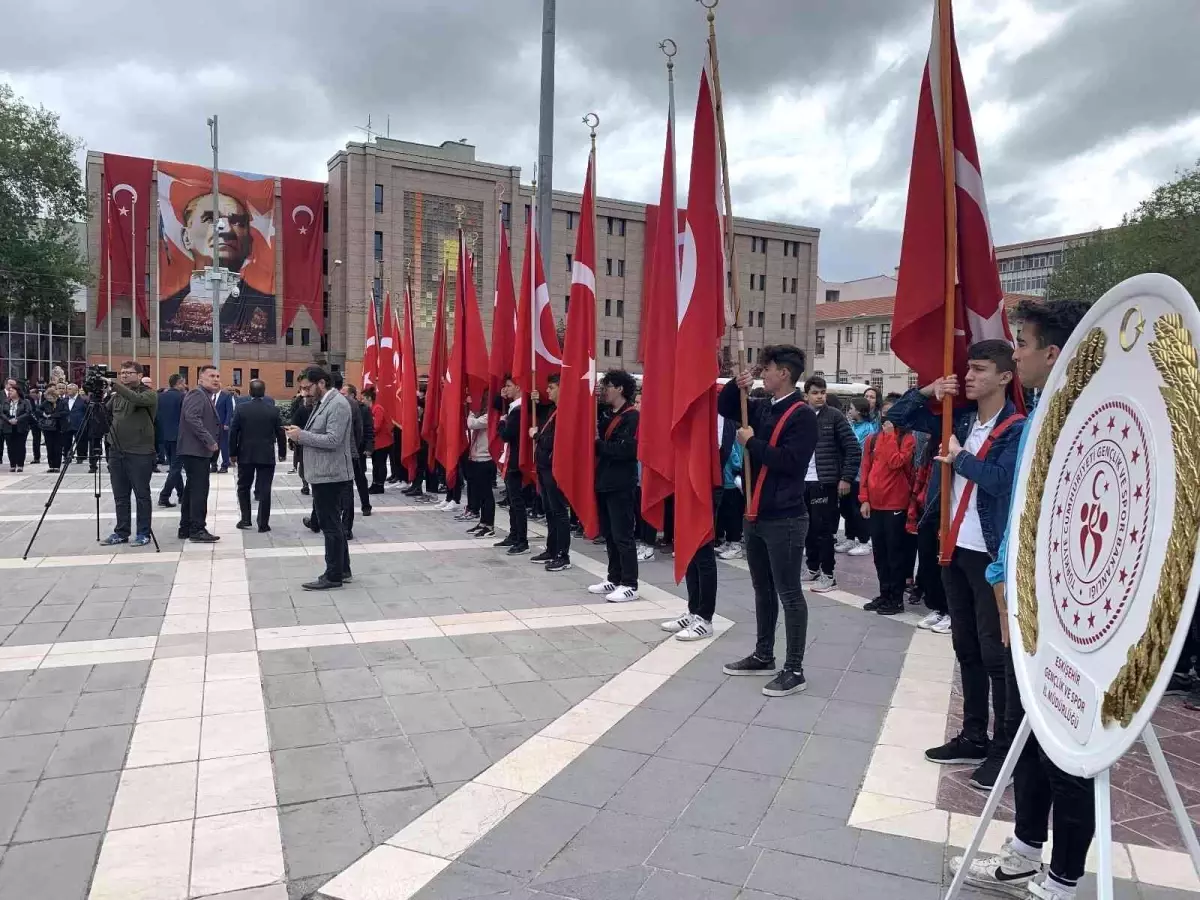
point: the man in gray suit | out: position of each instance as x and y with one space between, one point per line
328 442
199 437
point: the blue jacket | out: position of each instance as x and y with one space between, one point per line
170 408
225 408
993 475
76 413
998 569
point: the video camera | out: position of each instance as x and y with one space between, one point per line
95 381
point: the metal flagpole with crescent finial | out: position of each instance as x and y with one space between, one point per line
950 210
533 311
108 264
133 283
730 244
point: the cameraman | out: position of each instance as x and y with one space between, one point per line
131 452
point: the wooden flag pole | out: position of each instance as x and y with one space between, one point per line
730 244
950 204
133 279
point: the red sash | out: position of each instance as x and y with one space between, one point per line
752 509
612 425
947 548
546 424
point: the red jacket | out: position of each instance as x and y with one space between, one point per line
383 427
886 477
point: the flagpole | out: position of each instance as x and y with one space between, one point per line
533 310
108 265
950 209
156 321
137 321
730 243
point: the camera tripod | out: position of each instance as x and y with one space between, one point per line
94 457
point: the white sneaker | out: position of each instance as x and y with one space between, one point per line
604 587
809 576
930 620
645 553
844 546
677 625
1007 872
443 506
697 631
733 551
1049 889
718 547
451 506
824 584
942 626
860 549
622 595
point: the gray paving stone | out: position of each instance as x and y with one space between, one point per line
420 713
804 834
34 634
274 618
737 700
13 798
142 626
61 869
911 858
680 695
860 687
612 840
535 832
831 760
482 706
713 855
535 699
459 881
180 645
87 630
455 674
854 721
617 884
506 669
576 689
732 801
337 657
117 677
875 661
320 615
386 653
822 682
300 726
37 715
661 789
429 649
24 758
388 812
232 642
796 713
95 608
47 682
450 755
90 750
567 638
767 751
396 680
479 645
383 764
524 642
643 730
817 799
805 878
664 885
138 606
552 664
297 689
500 740
595 777
826 655
52 612
11 684
597 660
311 773
348 684
105 708
63 807
702 740
322 837
356 720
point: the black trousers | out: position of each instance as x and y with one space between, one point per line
174 480
518 516
298 462
929 572
329 499
857 528
379 463
701 579
822 500
130 472
975 628
360 481
888 548
398 471
54 448
774 554
618 518
480 478
15 442
1041 788
558 520
37 443
1191 646
261 477
193 502
730 513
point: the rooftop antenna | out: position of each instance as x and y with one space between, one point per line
368 131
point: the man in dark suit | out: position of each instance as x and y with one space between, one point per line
72 438
199 438
223 404
170 409
254 436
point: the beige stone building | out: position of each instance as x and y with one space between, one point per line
1025 268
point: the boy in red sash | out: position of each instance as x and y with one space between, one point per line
779 443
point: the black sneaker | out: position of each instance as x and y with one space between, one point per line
165 504
957 751
484 531
375 489
786 683
244 524
751 665
560 564
518 549
504 542
984 777
890 609
1180 684
874 604
366 511
544 557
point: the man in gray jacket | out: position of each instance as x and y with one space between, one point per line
328 442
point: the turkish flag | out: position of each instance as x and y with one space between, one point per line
303 205
921 288
125 238
467 370
575 428
437 374
371 351
504 332
406 395
655 450
701 324
387 357
536 355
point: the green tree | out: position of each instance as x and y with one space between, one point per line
41 202
1161 235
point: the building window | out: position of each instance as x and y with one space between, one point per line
832 296
325 305
254 374
324 262
289 378
793 286
183 372
379 198
620 345
912 379
782 321
621 227
620 268
237 377
870 338
729 278
506 213
607 307
877 380
606 348
289 337
620 309
570 221
567 303
753 244
843 377
792 320
608 266
126 328
849 333
749 354
783 287
379 245
786 247
762 245
305 337
796 249
528 213
885 337
569 261
820 342
610 224
761 316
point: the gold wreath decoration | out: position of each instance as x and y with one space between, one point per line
1176 360
1088 359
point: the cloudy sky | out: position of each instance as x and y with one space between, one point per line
1080 106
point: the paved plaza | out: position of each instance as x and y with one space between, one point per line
457 723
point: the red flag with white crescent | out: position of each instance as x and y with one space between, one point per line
504 328
466 370
430 425
125 237
370 375
406 395
387 359
303 204
535 335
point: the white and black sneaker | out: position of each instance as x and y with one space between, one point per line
957 751
677 625
809 576
558 564
786 683
604 587
1008 872
623 594
751 665
697 631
